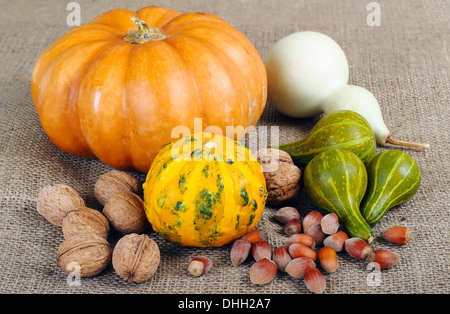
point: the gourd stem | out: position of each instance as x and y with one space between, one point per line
143 34
392 141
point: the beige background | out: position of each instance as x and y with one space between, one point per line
404 62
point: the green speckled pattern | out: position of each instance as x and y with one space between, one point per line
394 179
339 130
336 181
206 196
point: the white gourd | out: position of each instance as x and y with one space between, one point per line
308 75
362 101
303 69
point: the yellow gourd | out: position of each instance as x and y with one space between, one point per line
204 190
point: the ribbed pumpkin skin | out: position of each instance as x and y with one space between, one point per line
394 178
336 181
100 96
209 202
339 130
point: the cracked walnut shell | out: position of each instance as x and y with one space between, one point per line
113 182
282 176
85 220
136 257
90 252
56 201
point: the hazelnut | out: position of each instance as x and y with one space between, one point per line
90 252
254 236
281 257
286 214
55 201
301 238
330 224
397 235
336 241
315 281
199 266
293 226
297 267
282 176
260 250
240 251
316 232
136 257
359 249
85 220
385 259
263 271
125 212
300 250
114 182
311 219
328 259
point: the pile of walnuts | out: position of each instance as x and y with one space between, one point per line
135 257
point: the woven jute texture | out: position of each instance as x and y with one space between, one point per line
404 62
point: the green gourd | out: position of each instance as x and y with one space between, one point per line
340 130
394 179
336 181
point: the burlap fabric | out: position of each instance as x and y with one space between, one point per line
404 62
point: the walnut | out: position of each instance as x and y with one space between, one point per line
271 157
282 176
55 201
114 182
125 212
136 257
85 220
90 252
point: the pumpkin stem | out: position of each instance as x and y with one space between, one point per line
143 34
392 141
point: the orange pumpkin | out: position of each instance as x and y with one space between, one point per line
116 87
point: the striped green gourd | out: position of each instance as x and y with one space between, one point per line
336 181
340 130
394 179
